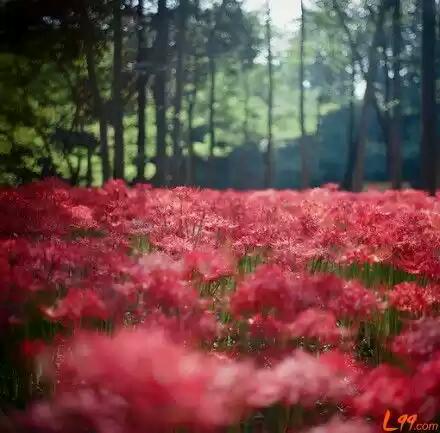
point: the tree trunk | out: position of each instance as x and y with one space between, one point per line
395 126
74 171
384 116
384 123
212 96
103 140
89 170
429 136
160 84
355 58
305 171
357 175
190 155
119 162
351 124
318 116
245 74
180 79
268 178
89 176
98 102
191 103
141 95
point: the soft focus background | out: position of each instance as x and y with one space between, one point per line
224 94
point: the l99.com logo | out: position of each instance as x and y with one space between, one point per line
408 421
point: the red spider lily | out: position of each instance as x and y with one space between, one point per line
78 304
427 381
387 388
301 378
166 290
266 327
162 385
149 266
209 264
413 298
317 324
354 302
271 290
139 379
420 341
268 289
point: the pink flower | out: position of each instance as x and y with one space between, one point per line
138 380
413 298
300 379
385 388
355 302
210 264
313 323
420 340
266 327
77 304
82 217
268 288
166 290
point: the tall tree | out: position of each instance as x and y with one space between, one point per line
384 111
268 178
246 97
190 169
160 90
118 109
212 88
249 45
222 36
87 30
356 169
305 170
195 77
89 174
355 58
182 14
351 106
142 81
429 136
396 109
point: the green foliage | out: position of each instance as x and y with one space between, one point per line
45 84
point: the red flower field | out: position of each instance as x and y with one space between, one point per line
153 310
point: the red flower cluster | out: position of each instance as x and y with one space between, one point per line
162 385
272 290
412 298
131 310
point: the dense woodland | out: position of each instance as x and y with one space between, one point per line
202 92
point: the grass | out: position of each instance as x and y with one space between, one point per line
370 274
